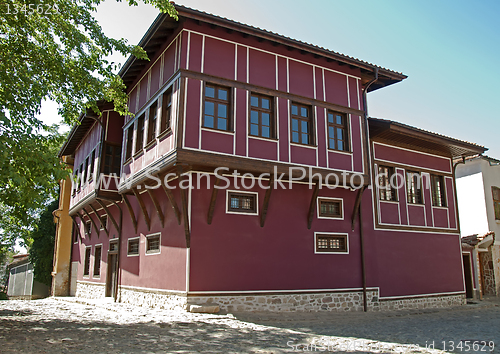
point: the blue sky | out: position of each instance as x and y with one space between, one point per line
448 48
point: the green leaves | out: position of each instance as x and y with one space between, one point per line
52 49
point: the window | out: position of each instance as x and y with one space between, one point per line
79 176
104 221
337 131
133 246
438 191
386 192
242 202
88 227
85 177
92 164
153 244
97 261
331 243
86 268
301 124
414 187
113 246
166 110
496 201
261 116
153 113
112 159
216 107
330 208
139 139
130 139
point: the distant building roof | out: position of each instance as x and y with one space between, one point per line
428 141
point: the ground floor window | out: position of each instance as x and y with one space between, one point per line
133 246
97 260
153 243
86 267
331 243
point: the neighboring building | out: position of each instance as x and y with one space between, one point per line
22 284
218 93
478 193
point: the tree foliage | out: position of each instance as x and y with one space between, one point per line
42 248
49 50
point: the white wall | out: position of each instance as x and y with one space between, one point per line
472 205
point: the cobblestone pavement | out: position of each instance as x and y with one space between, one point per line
61 325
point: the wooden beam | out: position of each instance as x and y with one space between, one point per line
157 206
103 227
173 203
211 206
92 221
130 211
263 212
77 228
312 206
357 203
143 208
184 201
110 217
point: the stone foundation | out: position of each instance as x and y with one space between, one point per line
165 300
88 290
277 302
305 302
422 302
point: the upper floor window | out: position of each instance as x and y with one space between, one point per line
85 176
112 159
337 131
261 116
386 192
217 107
438 191
130 139
153 113
166 110
92 164
301 124
496 201
139 139
330 208
414 187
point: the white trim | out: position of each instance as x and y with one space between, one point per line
214 130
146 248
168 291
264 139
314 80
453 199
248 64
334 234
256 194
128 244
276 161
283 291
202 92
265 51
277 81
420 168
316 133
184 114
236 62
234 118
287 75
305 146
203 54
247 108
421 295
330 217
188 50
341 152
357 93
404 229
327 142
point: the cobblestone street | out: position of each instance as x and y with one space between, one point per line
56 325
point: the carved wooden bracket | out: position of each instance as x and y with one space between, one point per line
130 211
263 213
312 206
143 208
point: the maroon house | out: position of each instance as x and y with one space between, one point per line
298 200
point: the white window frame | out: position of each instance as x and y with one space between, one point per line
128 245
90 262
100 262
159 246
242 192
330 217
332 234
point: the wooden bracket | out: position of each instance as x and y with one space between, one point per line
184 201
263 213
312 206
110 217
130 211
211 206
143 208
92 221
103 227
75 225
357 204
157 206
173 203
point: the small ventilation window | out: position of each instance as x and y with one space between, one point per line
330 208
328 243
242 202
153 244
133 246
